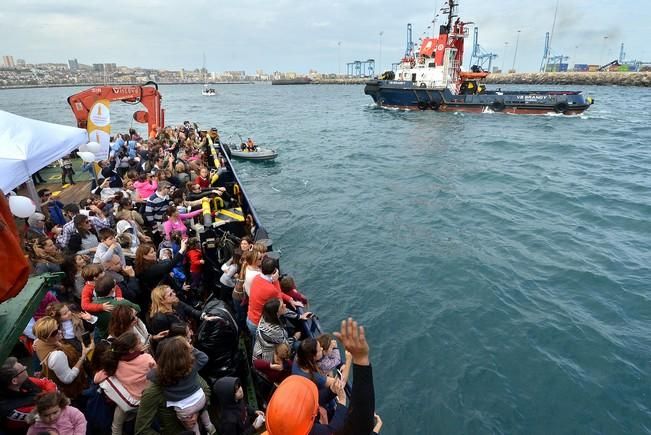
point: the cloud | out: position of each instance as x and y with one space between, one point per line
293 35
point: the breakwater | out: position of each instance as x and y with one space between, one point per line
573 78
342 81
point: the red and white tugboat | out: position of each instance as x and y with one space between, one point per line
433 79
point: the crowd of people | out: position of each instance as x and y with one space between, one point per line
112 348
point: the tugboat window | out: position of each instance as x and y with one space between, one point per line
413 77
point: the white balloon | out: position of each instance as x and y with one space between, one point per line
93 147
83 147
21 206
86 156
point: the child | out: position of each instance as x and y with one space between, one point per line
177 272
203 179
66 170
108 247
90 273
228 280
71 324
288 286
331 358
194 257
235 417
278 369
177 372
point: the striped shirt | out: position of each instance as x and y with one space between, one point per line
155 209
69 229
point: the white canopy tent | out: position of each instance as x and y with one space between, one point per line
28 145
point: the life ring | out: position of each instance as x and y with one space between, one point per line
561 107
434 105
497 106
422 105
423 85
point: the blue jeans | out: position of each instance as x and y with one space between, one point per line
253 329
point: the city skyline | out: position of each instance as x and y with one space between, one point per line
291 36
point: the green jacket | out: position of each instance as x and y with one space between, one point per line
104 317
152 405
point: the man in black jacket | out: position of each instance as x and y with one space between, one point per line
17 395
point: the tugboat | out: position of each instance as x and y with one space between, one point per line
433 80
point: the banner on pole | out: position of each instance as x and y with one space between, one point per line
99 127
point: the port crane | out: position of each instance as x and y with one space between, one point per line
479 57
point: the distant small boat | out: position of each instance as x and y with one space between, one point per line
259 153
208 92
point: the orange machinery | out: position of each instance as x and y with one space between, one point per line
146 94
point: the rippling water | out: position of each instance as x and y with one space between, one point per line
500 263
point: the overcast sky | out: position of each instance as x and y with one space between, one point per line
292 35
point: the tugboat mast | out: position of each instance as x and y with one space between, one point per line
452 6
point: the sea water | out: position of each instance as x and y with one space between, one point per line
499 263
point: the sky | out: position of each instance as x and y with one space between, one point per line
292 35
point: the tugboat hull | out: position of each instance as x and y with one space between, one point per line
405 95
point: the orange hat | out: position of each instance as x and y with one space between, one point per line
293 407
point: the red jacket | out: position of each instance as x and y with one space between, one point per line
87 298
203 182
261 291
194 257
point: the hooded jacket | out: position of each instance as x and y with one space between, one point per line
235 417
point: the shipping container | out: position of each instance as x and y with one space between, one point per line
563 67
593 68
581 67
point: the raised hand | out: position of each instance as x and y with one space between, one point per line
354 340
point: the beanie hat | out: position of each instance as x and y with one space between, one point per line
293 407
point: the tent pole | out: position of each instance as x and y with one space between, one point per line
31 191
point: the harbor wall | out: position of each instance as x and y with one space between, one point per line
573 78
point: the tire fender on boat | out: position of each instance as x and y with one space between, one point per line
497 106
561 107
422 105
423 85
434 105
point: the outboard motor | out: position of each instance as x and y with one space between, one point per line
219 339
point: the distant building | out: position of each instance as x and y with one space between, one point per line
53 66
73 64
98 67
8 62
21 63
235 75
110 67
